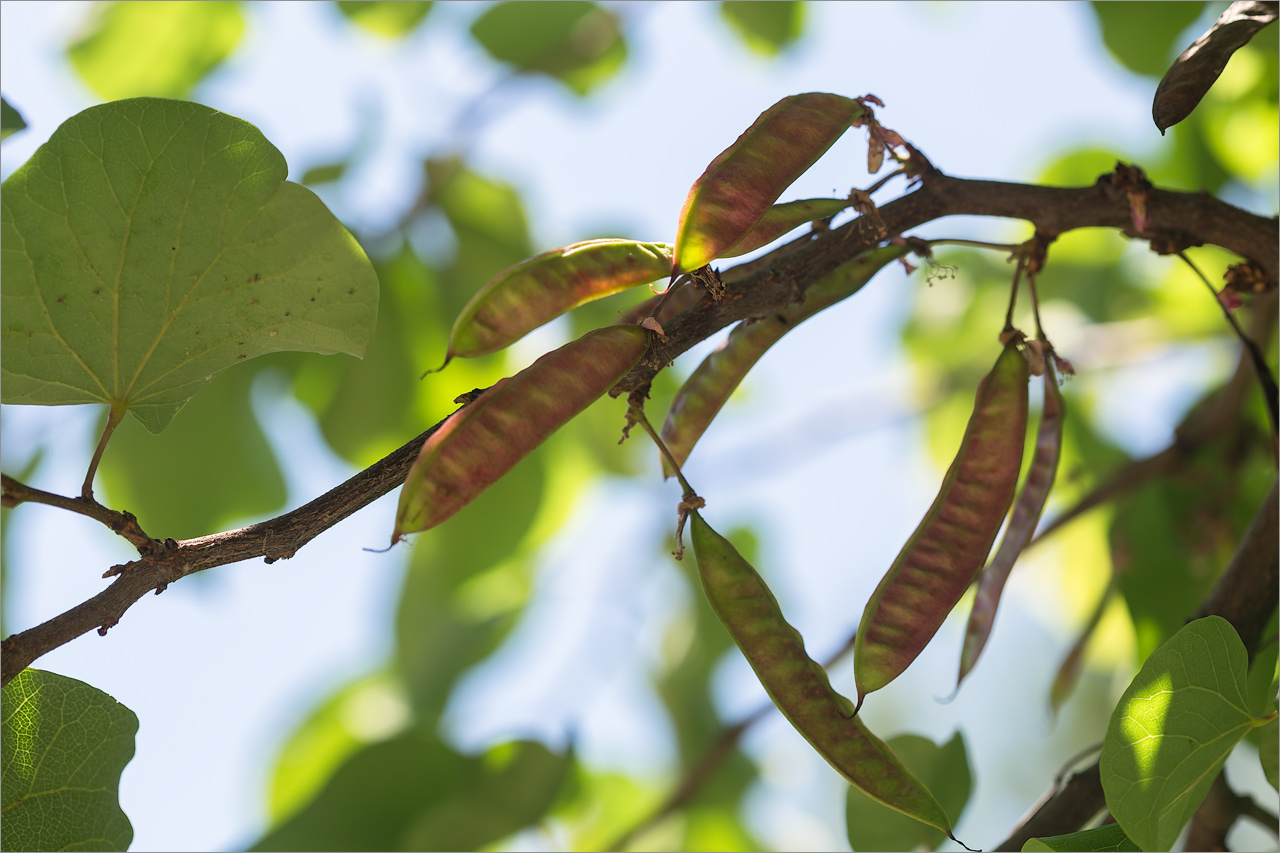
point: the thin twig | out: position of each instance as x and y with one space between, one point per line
125 524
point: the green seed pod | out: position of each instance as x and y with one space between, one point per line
529 294
1022 524
736 190
484 440
781 218
798 685
709 387
951 544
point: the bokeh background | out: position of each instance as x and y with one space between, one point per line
455 139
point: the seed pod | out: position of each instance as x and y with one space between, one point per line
781 218
738 187
709 387
1022 524
484 440
798 685
529 294
951 544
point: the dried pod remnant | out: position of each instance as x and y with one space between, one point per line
740 185
480 443
951 544
534 292
798 685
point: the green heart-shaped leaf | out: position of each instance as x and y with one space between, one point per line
64 746
150 244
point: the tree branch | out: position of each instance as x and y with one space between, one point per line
1176 220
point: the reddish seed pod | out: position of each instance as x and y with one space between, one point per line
484 440
1022 524
534 292
798 685
739 186
951 544
709 387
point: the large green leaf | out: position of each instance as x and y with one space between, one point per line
577 42
943 769
1173 728
1102 838
155 48
64 745
151 243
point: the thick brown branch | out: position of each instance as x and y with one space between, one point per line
1176 220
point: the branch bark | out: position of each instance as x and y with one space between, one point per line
1176 220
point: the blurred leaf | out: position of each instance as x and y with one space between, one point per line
138 306
414 793
944 770
1143 36
1103 838
578 43
158 48
1068 674
1268 747
11 120
387 18
232 476
325 173
6 550
766 26
64 746
364 710
1261 688
1198 67
1172 730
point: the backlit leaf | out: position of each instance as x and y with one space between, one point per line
388 18
1103 838
149 244
64 746
160 48
1173 728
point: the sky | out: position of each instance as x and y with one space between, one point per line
989 90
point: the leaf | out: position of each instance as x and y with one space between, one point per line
1198 67
745 179
1268 747
944 770
578 43
1103 838
11 120
64 746
1141 36
160 49
766 26
414 793
781 218
1172 730
387 18
150 244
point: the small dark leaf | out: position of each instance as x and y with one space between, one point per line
1198 67
10 120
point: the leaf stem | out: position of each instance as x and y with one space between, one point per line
114 416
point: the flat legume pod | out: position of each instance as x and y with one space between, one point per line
951 544
1022 524
798 685
529 294
484 440
781 218
709 387
736 190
